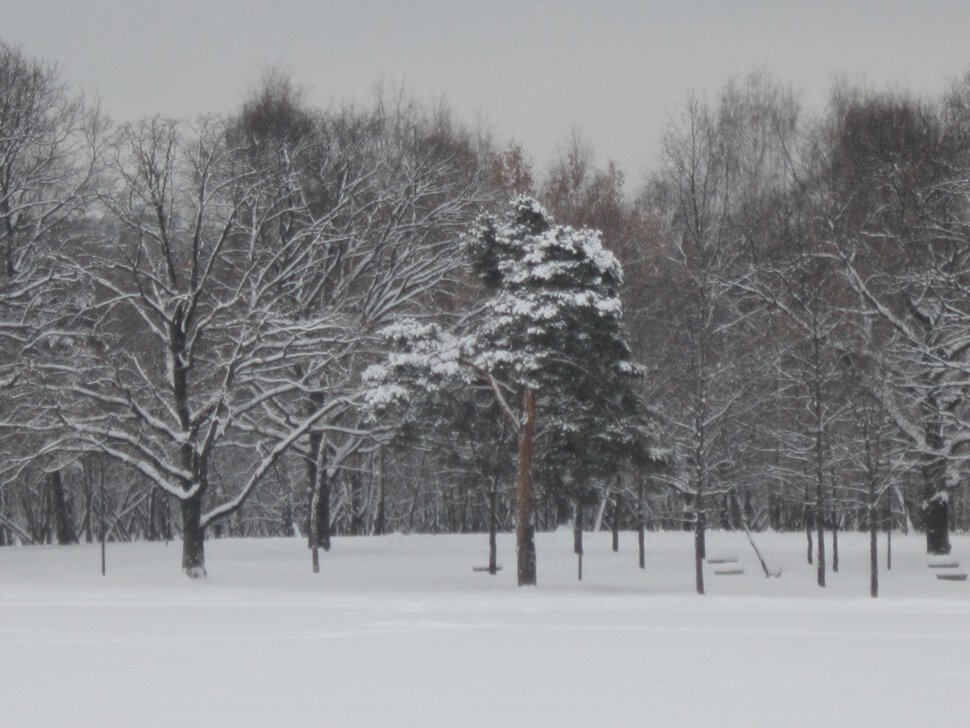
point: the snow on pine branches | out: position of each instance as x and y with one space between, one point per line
555 313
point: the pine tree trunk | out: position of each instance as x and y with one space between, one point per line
524 529
193 538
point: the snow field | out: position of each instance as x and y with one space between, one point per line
398 631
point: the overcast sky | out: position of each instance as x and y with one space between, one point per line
530 70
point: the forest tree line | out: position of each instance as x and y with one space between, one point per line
187 310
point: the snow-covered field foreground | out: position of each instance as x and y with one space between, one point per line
398 631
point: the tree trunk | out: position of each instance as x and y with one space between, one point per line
287 525
323 509
873 543
699 541
492 529
905 520
820 523
164 520
103 522
4 538
889 547
641 526
379 517
314 550
617 507
835 543
818 391
702 519
936 499
318 528
356 496
88 512
62 520
193 538
104 547
314 534
937 532
152 530
808 534
578 528
598 521
578 539
820 538
312 469
524 529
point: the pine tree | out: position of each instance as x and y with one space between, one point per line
549 343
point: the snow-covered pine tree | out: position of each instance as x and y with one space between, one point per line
549 342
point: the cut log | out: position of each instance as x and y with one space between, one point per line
722 559
729 571
485 568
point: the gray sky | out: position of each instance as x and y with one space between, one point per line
530 70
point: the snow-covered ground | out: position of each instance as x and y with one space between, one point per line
398 631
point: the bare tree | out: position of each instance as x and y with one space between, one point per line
393 187
50 156
694 196
190 339
901 232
